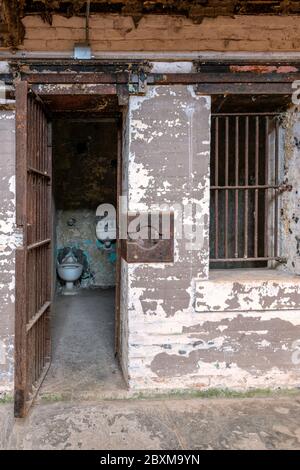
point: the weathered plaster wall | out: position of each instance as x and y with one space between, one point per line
246 290
249 342
290 205
165 33
230 349
9 240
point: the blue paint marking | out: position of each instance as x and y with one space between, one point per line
113 257
88 242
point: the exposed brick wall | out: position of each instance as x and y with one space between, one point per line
165 33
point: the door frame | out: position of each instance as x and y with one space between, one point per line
41 85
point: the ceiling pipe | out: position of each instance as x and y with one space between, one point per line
87 21
82 51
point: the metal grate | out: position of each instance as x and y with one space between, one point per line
244 188
34 259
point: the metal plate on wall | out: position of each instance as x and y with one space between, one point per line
150 238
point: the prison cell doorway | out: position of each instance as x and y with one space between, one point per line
69 162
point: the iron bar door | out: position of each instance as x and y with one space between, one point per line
34 258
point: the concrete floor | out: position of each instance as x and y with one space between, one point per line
83 362
260 423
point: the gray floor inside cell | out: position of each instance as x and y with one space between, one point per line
83 360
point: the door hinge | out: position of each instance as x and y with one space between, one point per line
138 80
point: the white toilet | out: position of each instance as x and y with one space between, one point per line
69 270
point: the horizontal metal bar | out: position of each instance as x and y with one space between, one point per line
242 114
36 386
226 77
244 88
246 186
75 89
231 260
74 77
37 316
103 59
30 169
214 78
38 244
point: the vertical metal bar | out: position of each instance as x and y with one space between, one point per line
43 340
276 193
39 348
32 119
36 327
49 268
30 205
40 344
35 186
42 179
35 352
31 135
38 133
236 205
45 182
40 251
44 143
266 213
256 190
30 364
40 144
21 338
246 183
216 190
226 184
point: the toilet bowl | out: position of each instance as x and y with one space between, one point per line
69 270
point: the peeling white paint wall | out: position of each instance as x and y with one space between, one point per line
242 332
168 163
10 239
290 201
246 290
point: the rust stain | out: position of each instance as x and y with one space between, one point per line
286 69
263 68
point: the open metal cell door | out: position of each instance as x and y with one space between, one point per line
34 259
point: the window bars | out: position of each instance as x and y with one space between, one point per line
245 186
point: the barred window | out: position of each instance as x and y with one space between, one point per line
245 186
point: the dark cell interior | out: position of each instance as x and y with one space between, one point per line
85 163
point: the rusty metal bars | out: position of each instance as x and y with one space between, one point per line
242 191
33 260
